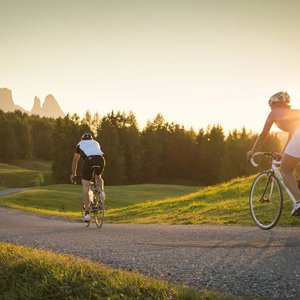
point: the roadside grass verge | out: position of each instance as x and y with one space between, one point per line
16 176
27 273
223 204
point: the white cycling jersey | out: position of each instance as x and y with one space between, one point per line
88 148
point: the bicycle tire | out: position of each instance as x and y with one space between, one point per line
266 200
98 210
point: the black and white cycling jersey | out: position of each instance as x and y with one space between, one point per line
88 148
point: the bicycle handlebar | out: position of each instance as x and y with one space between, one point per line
275 156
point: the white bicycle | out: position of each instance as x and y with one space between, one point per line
266 196
96 202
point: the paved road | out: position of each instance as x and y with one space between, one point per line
229 259
11 191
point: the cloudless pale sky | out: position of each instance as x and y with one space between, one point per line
197 62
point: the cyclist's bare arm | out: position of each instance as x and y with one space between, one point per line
264 134
74 166
262 137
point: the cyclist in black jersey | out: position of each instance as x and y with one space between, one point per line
89 150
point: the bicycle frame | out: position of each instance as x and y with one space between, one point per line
93 184
275 169
96 204
275 165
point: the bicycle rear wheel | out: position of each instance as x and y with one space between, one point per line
98 210
265 200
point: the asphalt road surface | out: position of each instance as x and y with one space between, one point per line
229 259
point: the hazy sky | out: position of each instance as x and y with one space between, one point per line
196 62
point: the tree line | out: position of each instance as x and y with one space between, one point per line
162 152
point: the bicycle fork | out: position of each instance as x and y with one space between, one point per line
270 181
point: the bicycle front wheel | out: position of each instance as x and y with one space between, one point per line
265 200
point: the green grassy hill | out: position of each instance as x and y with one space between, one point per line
65 199
225 203
25 173
36 165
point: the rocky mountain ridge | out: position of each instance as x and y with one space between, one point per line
50 108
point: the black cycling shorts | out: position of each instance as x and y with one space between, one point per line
89 162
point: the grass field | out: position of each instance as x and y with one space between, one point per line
36 165
225 203
65 200
22 173
27 273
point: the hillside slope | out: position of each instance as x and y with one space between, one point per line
225 203
20 174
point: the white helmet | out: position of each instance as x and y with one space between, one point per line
280 97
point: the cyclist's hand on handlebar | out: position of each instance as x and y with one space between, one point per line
72 178
278 156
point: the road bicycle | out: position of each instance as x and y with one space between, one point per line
266 197
96 203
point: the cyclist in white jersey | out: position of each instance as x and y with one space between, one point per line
89 150
288 120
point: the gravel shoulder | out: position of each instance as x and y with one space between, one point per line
229 259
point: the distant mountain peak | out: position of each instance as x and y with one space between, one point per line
50 107
6 100
37 107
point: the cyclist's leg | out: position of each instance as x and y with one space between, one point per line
288 164
98 176
99 182
85 194
98 172
86 177
297 169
